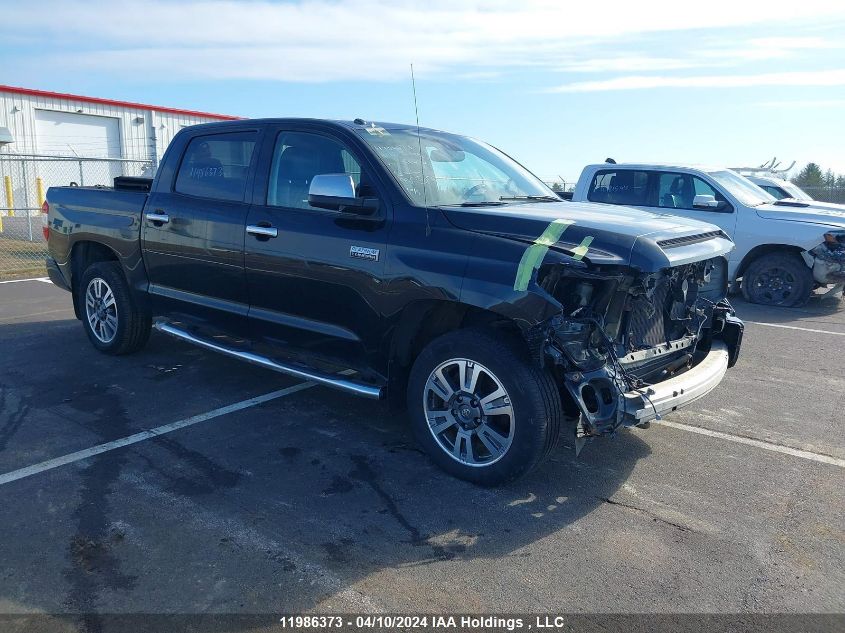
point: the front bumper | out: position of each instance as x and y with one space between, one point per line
642 405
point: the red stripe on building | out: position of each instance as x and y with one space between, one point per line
112 102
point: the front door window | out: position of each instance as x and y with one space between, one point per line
678 191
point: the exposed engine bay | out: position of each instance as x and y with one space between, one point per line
619 332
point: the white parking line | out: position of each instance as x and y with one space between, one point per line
769 446
17 281
56 462
794 327
99 449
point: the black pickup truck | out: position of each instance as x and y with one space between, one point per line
411 264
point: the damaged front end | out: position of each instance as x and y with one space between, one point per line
828 259
630 346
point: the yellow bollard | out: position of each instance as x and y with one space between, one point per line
10 196
39 191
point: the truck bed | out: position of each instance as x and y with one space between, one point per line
104 215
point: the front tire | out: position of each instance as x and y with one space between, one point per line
112 321
483 411
778 279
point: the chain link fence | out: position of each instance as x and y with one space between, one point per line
558 184
827 194
25 180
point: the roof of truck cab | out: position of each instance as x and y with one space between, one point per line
661 166
769 180
350 125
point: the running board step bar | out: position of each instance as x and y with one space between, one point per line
329 380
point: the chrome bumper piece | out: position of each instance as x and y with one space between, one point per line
642 405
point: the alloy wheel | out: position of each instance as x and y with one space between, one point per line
101 310
469 412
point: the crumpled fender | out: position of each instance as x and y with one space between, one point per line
491 280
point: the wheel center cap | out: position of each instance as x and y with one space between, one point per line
465 411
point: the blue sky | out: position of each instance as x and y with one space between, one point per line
555 84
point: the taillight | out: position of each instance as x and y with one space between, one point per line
45 209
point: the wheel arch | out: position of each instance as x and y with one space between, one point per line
765 249
82 255
421 322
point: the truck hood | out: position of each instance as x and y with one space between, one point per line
810 211
619 235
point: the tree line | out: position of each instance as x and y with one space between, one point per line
814 176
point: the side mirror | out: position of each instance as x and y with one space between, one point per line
337 193
708 202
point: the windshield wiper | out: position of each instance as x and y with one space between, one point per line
482 203
533 198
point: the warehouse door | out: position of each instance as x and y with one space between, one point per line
78 135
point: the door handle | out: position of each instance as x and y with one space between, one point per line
158 216
262 231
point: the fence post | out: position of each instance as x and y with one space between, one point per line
39 191
81 176
10 196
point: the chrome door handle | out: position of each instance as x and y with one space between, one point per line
262 231
158 217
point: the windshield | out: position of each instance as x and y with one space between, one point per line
455 170
794 191
741 188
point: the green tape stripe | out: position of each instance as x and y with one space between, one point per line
581 250
534 254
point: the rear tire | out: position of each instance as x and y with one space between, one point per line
778 279
475 434
112 321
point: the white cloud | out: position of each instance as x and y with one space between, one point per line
321 40
709 53
792 43
803 103
641 82
630 63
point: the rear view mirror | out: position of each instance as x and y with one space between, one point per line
443 156
337 193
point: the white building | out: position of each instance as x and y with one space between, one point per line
56 124
50 138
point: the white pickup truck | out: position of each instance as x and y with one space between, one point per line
784 248
779 188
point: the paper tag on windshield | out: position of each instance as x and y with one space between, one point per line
375 130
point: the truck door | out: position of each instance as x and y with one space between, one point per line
314 275
193 232
674 192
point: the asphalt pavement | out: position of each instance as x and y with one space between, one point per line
311 501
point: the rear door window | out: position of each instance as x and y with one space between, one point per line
620 186
217 166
